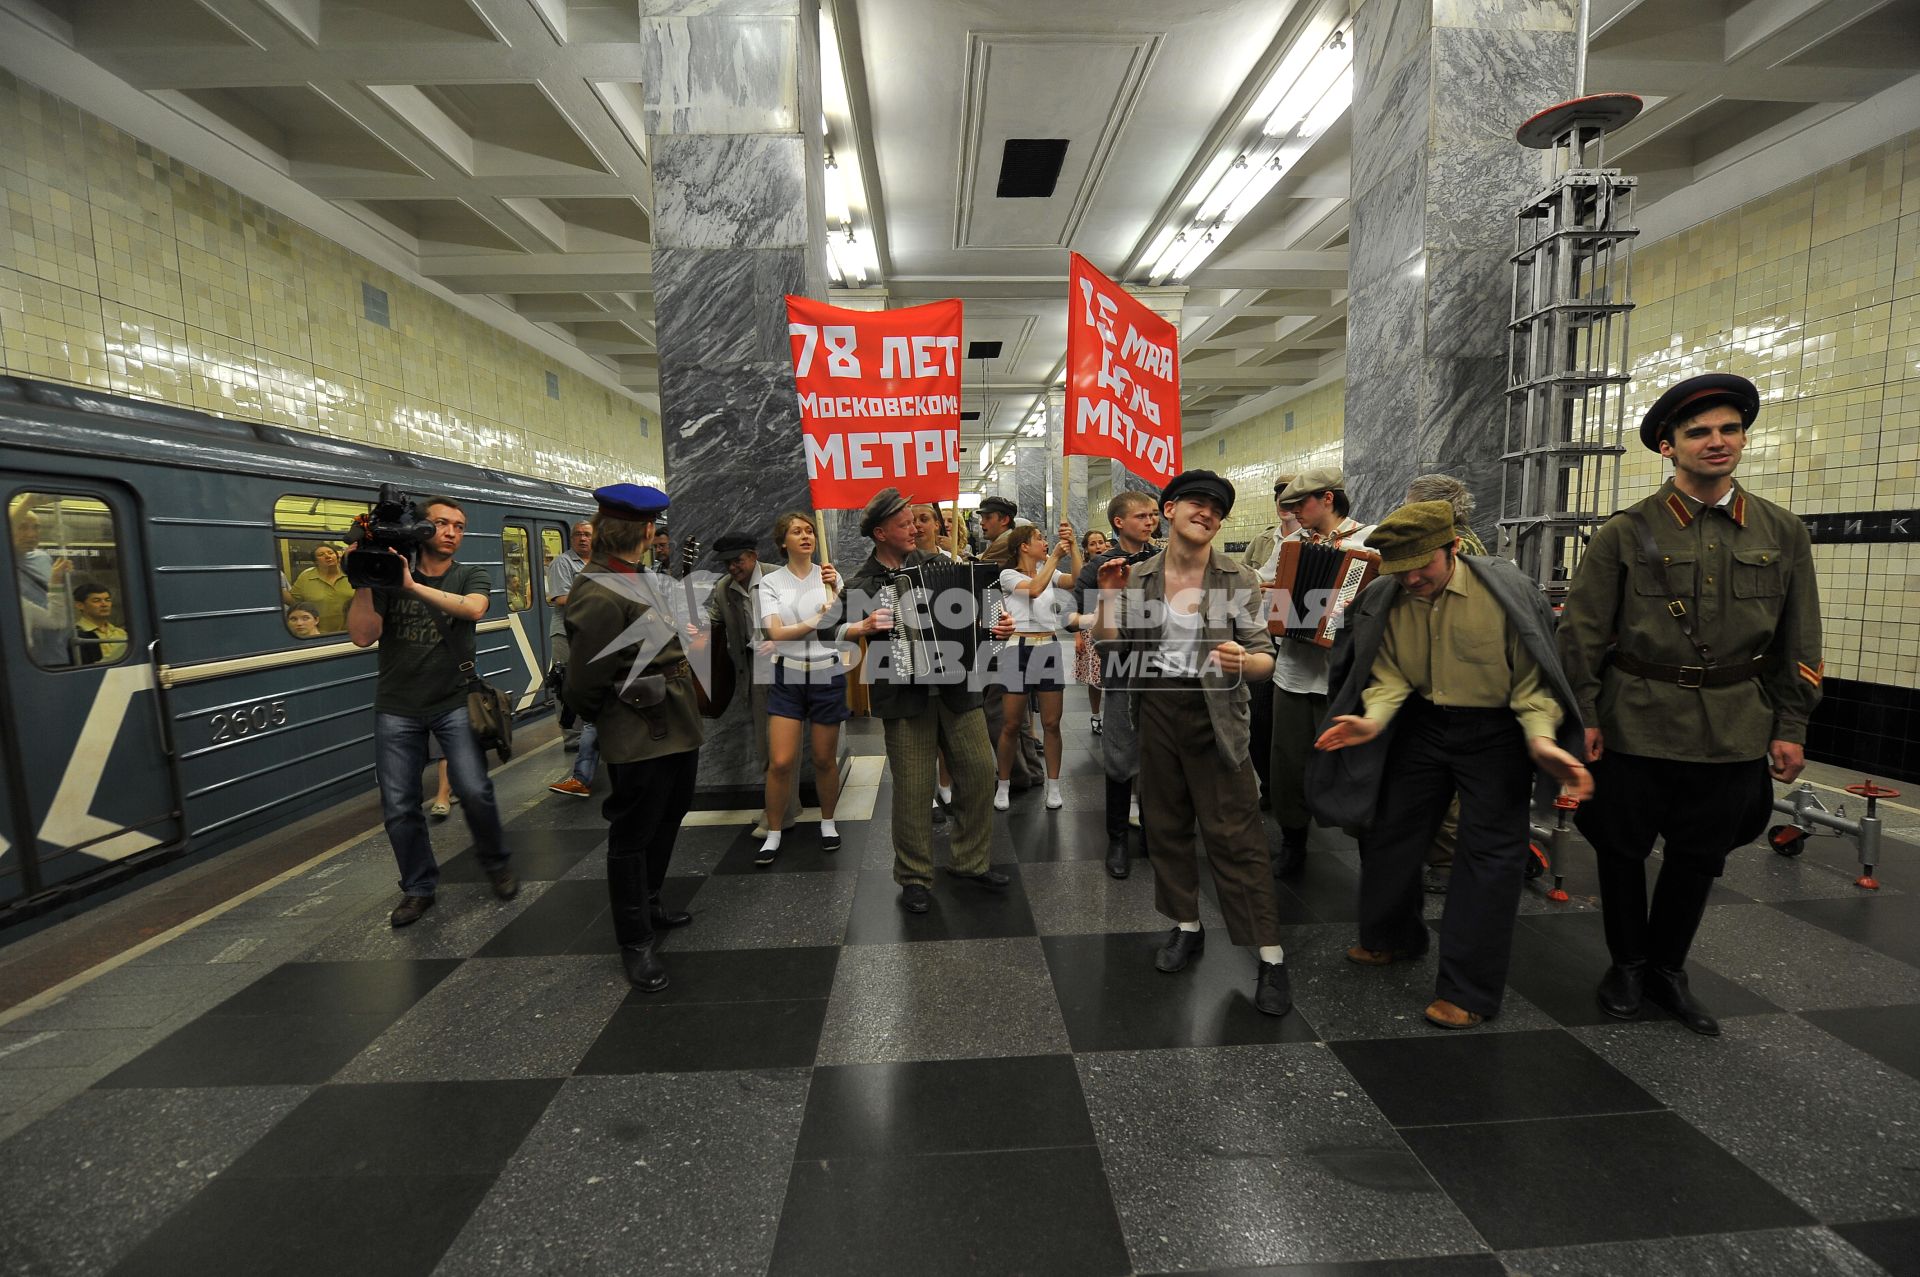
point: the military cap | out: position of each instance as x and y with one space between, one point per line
1310 482
885 504
999 505
1199 483
1694 396
1407 538
634 501
731 544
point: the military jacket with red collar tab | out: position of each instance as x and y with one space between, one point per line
1742 572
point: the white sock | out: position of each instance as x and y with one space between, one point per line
1272 953
773 841
1053 789
1189 926
1004 789
827 830
945 792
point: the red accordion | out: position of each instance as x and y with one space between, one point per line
1312 587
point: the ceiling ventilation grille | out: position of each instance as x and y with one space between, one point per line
983 350
1030 167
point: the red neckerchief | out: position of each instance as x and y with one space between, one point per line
621 565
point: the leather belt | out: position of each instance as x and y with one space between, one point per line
1691 676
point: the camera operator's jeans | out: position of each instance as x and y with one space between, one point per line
400 755
587 761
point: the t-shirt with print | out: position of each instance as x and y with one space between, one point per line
419 676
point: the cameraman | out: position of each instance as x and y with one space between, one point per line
421 693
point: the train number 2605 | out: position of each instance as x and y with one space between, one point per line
244 720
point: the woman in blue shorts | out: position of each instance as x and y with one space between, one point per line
809 680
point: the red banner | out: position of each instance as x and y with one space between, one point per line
1123 378
879 400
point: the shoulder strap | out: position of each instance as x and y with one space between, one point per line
1650 558
461 645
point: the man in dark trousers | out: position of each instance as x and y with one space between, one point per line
1692 637
1446 681
1133 516
628 676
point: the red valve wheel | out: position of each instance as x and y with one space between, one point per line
1867 789
1565 803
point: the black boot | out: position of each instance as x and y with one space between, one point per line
1623 906
1621 989
1292 857
1117 863
633 922
645 971
1679 903
666 919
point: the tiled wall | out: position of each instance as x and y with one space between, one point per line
124 269
1813 291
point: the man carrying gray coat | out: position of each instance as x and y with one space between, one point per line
1446 679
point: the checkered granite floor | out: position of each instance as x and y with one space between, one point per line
1005 1085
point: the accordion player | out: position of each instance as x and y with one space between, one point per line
942 612
1313 585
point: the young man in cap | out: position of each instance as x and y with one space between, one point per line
1191 623
630 678
1134 517
1447 682
996 517
921 720
1692 636
1317 499
730 607
425 629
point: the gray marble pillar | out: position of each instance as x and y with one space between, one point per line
1030 480
1439 87
1068 474
731 93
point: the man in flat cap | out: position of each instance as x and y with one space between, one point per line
1692 636
1446 682
1192 625
995 518
921 720
730 615
630 678
1317 499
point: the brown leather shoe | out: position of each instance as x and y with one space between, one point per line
1448 1016
408 911
505 885
1378 957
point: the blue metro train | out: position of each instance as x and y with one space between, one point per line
177 677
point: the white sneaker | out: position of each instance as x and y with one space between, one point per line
1054 801
1001 802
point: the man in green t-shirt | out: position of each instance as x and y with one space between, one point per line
421 692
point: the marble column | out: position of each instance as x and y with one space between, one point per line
1439 87
1065 474
731 94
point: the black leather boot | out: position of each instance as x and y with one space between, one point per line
645 971
1622 988
1292 857
1679 903
1667 989
666 919
1623 906
1117 863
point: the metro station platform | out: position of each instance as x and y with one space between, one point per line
280 1083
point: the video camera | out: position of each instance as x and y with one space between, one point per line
393 522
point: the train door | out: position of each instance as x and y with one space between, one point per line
555 538
89 770
526 610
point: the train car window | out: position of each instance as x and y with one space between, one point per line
309 540
67 584
516 552
552 546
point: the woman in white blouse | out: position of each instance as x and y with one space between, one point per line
1035 660
809 681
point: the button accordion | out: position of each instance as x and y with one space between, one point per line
942 611
1312 587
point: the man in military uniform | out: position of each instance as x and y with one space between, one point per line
730 609
630 678
1692 638
1260 706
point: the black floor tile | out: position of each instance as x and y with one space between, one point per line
694 1036
365 1225
252 1050
404 1128
1328 887
1894 1244
339 988
944 1106
1568 1181
742 975
1558 960
799 853
1114 999
1427 1266
539 855
960 911
1490 1077
1034 1211
1888 924
1042 836
1889 1034
551 924
597 936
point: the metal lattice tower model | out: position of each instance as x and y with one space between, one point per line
1567 355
